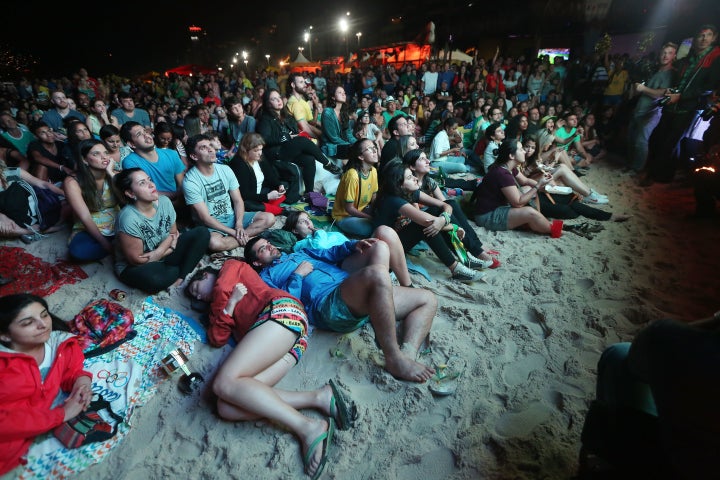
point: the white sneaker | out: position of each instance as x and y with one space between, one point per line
466 275
477 263
595 198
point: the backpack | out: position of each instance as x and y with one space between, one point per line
102 326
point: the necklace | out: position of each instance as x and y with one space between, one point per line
365 175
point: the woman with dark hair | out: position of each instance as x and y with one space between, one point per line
117 150
336 125
396 207
517 127
260 185
93 202
165 137
152 254
284 143
37 362
503 198
357 189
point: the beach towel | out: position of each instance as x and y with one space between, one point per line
127 377
34 275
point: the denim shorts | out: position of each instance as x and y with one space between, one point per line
333 314
229 221
496 220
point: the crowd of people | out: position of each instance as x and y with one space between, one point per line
158 173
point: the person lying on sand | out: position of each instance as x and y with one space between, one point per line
342 302
271 329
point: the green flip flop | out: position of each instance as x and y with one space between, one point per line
324 440
346 409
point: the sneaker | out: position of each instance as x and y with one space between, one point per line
595 198
477 263
332 168
466 275
31 237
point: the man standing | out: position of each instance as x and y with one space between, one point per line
647 110
213 194
342 302
300 108
429 81
699 73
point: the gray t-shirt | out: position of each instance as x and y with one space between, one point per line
213 191
152 231
646 104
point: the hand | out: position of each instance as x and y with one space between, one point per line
241 236
674 98
304 268
434 227
83 389
364 244
174 239
281 189
274 195
238 292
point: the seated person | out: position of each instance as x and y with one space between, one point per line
494 134
655 414
450 159
270 327
94 204
260 185
396 207
163 165
340 301
151 254
357 189
336 126
38 362
213 194
46 155
500 204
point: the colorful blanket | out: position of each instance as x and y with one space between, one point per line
127 377
34 275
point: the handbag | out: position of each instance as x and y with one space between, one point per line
88 426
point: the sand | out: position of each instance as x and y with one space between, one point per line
519 407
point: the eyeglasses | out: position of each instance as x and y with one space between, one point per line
371 147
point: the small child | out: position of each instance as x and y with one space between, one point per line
221 153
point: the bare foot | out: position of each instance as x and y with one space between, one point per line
317 428
405 368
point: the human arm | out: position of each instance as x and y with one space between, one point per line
73 194
133 247
36 182
650 92
517 198
331 132
432 225
37 157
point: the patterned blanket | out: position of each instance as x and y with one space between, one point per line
34 275
127 377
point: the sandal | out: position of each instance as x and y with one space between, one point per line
445 381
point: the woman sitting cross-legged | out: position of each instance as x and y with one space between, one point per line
418 162
357 189
502 200
271 329
93 203
396 206
152 255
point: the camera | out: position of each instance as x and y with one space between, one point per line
664 100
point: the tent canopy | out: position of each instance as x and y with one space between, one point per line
190 70
302 64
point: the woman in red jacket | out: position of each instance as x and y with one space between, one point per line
36 362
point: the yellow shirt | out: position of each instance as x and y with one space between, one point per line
355 190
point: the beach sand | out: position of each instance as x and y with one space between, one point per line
519 406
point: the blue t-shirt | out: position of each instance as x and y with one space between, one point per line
162 172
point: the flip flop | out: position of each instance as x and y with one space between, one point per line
445 380
324 440
345 409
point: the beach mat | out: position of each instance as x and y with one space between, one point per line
127 377
34 275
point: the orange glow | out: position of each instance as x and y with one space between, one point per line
705 169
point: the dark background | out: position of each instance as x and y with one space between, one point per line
132 37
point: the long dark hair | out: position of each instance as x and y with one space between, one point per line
393 177
11 305
344 111
88 187
507 148
354 153
267 108
123 182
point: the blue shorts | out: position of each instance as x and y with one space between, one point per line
333 314
496 220
229 221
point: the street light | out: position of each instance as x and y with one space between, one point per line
343 24
267 57
359 34
307 36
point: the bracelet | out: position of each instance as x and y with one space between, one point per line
446 216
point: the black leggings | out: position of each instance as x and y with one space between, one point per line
471 241
155 276
413 234
567 210
303 152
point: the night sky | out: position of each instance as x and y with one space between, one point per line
132 37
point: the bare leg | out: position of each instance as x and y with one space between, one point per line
398 263
567 177
240 391
530 217
369 292
222 243
416 307
261 222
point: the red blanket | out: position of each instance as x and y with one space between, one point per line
34 275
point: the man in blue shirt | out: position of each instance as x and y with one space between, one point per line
342 302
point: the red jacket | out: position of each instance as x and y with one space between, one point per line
246 311
25 400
